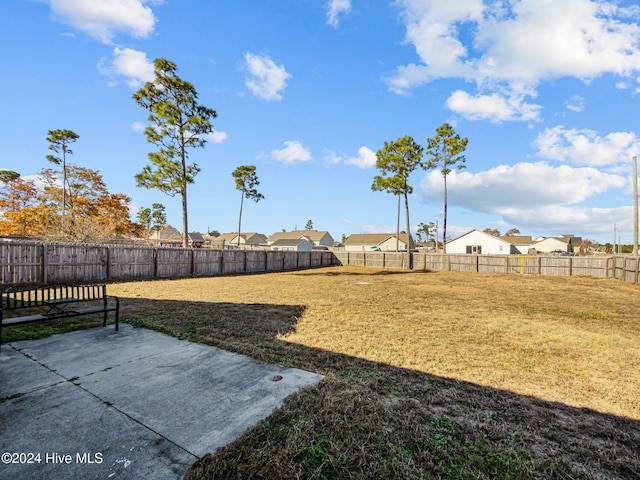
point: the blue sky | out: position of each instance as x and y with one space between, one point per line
547 92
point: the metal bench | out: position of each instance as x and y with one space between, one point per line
53 302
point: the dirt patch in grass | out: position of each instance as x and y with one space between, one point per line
428 375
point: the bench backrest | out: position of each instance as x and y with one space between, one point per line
37 296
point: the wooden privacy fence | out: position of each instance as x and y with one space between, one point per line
42 263
621 267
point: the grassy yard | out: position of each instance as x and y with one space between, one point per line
427 375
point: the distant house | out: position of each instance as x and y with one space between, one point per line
481 243
169 236
566 243
247 240
196 240
371 242
522 243
296 245
316 237
166 234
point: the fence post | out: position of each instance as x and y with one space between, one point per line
45 264
570 266
108 265
155 262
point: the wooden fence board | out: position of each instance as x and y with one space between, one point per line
207 262
174 262
291 261
256 261
130 262
20 262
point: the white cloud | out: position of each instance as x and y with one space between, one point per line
335 8
138 127
493 107
331 158
292 152
129 63
216 137
266 79
102 19
513 46
586 147
576 104
524 187
377 229
587 221
366 158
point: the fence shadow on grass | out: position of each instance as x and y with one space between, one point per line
366 416
370 271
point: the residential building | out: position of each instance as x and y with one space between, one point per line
296 245
522 243
480 243
169 236
244 240
316 237
371 242
562 242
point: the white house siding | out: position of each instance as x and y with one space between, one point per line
360 248
477 242
550 244
325 241
389 245
300 245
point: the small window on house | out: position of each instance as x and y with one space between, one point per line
474 249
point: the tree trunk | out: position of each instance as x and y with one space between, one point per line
185 226
185 223
398 227
444 226
240 217
406 207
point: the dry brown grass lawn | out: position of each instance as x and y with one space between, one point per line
427 375
571 340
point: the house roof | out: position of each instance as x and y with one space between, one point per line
196 237
313 235
500 239
372 238
566 240
225 237
289 242
262 237
167 233
228 237
517 239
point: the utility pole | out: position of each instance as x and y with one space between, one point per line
615 237
635 206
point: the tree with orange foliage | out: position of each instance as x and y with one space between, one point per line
90 213
22 212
